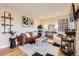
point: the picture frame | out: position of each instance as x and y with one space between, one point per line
62 24
27 22
31 23
24 21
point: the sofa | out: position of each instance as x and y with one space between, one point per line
21 39
57 38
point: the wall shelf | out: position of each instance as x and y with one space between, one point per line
6 17
5 32
6 26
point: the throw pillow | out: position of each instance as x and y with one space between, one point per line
28 35
23 34
31 34
34 33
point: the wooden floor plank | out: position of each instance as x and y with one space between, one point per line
17 52
11 52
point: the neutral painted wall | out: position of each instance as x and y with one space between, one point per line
77 33
77 39
53 20
17 25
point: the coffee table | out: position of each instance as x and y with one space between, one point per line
40 41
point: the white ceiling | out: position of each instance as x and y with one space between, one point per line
41 10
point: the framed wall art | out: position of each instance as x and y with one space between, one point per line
31 23
27 22
62 24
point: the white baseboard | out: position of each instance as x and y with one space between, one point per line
5 46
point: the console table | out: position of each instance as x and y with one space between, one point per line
68 46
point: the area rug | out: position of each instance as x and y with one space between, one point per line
38 54
30 49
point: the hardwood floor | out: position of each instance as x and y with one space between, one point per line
17 52
60 53
11 52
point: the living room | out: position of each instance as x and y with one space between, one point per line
44 22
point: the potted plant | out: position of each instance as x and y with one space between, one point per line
40 26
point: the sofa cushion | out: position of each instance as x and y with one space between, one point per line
31 33
21 39
57 39
23 34
29 39
34 34
28 35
